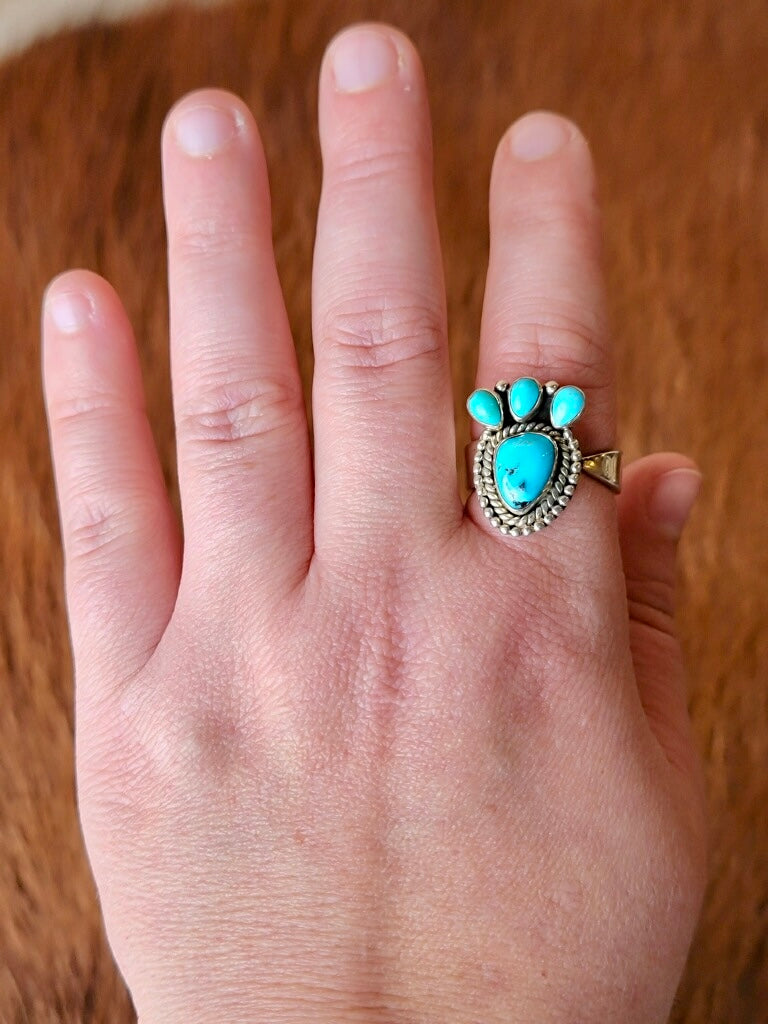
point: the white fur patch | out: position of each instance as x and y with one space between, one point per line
24 21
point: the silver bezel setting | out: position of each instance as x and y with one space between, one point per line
555 496
532 412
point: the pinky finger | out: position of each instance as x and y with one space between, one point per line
122 548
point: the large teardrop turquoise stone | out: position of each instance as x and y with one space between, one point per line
522 469
567 405
524 397
485 407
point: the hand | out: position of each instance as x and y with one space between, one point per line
354 755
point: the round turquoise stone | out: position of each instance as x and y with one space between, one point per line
524 397
485 407
566 407
523 467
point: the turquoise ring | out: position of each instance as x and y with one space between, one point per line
528 463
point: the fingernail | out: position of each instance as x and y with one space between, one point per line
672 499
538 135
70 311
206 129
363 59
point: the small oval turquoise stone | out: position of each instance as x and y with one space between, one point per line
522 468
485 407
524 397
567 405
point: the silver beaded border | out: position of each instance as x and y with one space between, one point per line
555 497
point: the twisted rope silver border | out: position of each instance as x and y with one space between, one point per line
555 497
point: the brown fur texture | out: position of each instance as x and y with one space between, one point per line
674 98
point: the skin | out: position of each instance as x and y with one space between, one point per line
348 753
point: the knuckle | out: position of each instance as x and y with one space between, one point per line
568 336
373 336
216 731
239 411
210 236
565 221
218 712
125 764
95 524
72 410
368 162
651 603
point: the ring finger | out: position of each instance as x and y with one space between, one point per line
544 311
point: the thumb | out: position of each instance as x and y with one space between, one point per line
658 493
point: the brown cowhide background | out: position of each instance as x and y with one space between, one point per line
674 97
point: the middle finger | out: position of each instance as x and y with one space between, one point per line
383 411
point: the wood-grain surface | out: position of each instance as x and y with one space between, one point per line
674 98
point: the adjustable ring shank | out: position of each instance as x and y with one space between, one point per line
605 467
